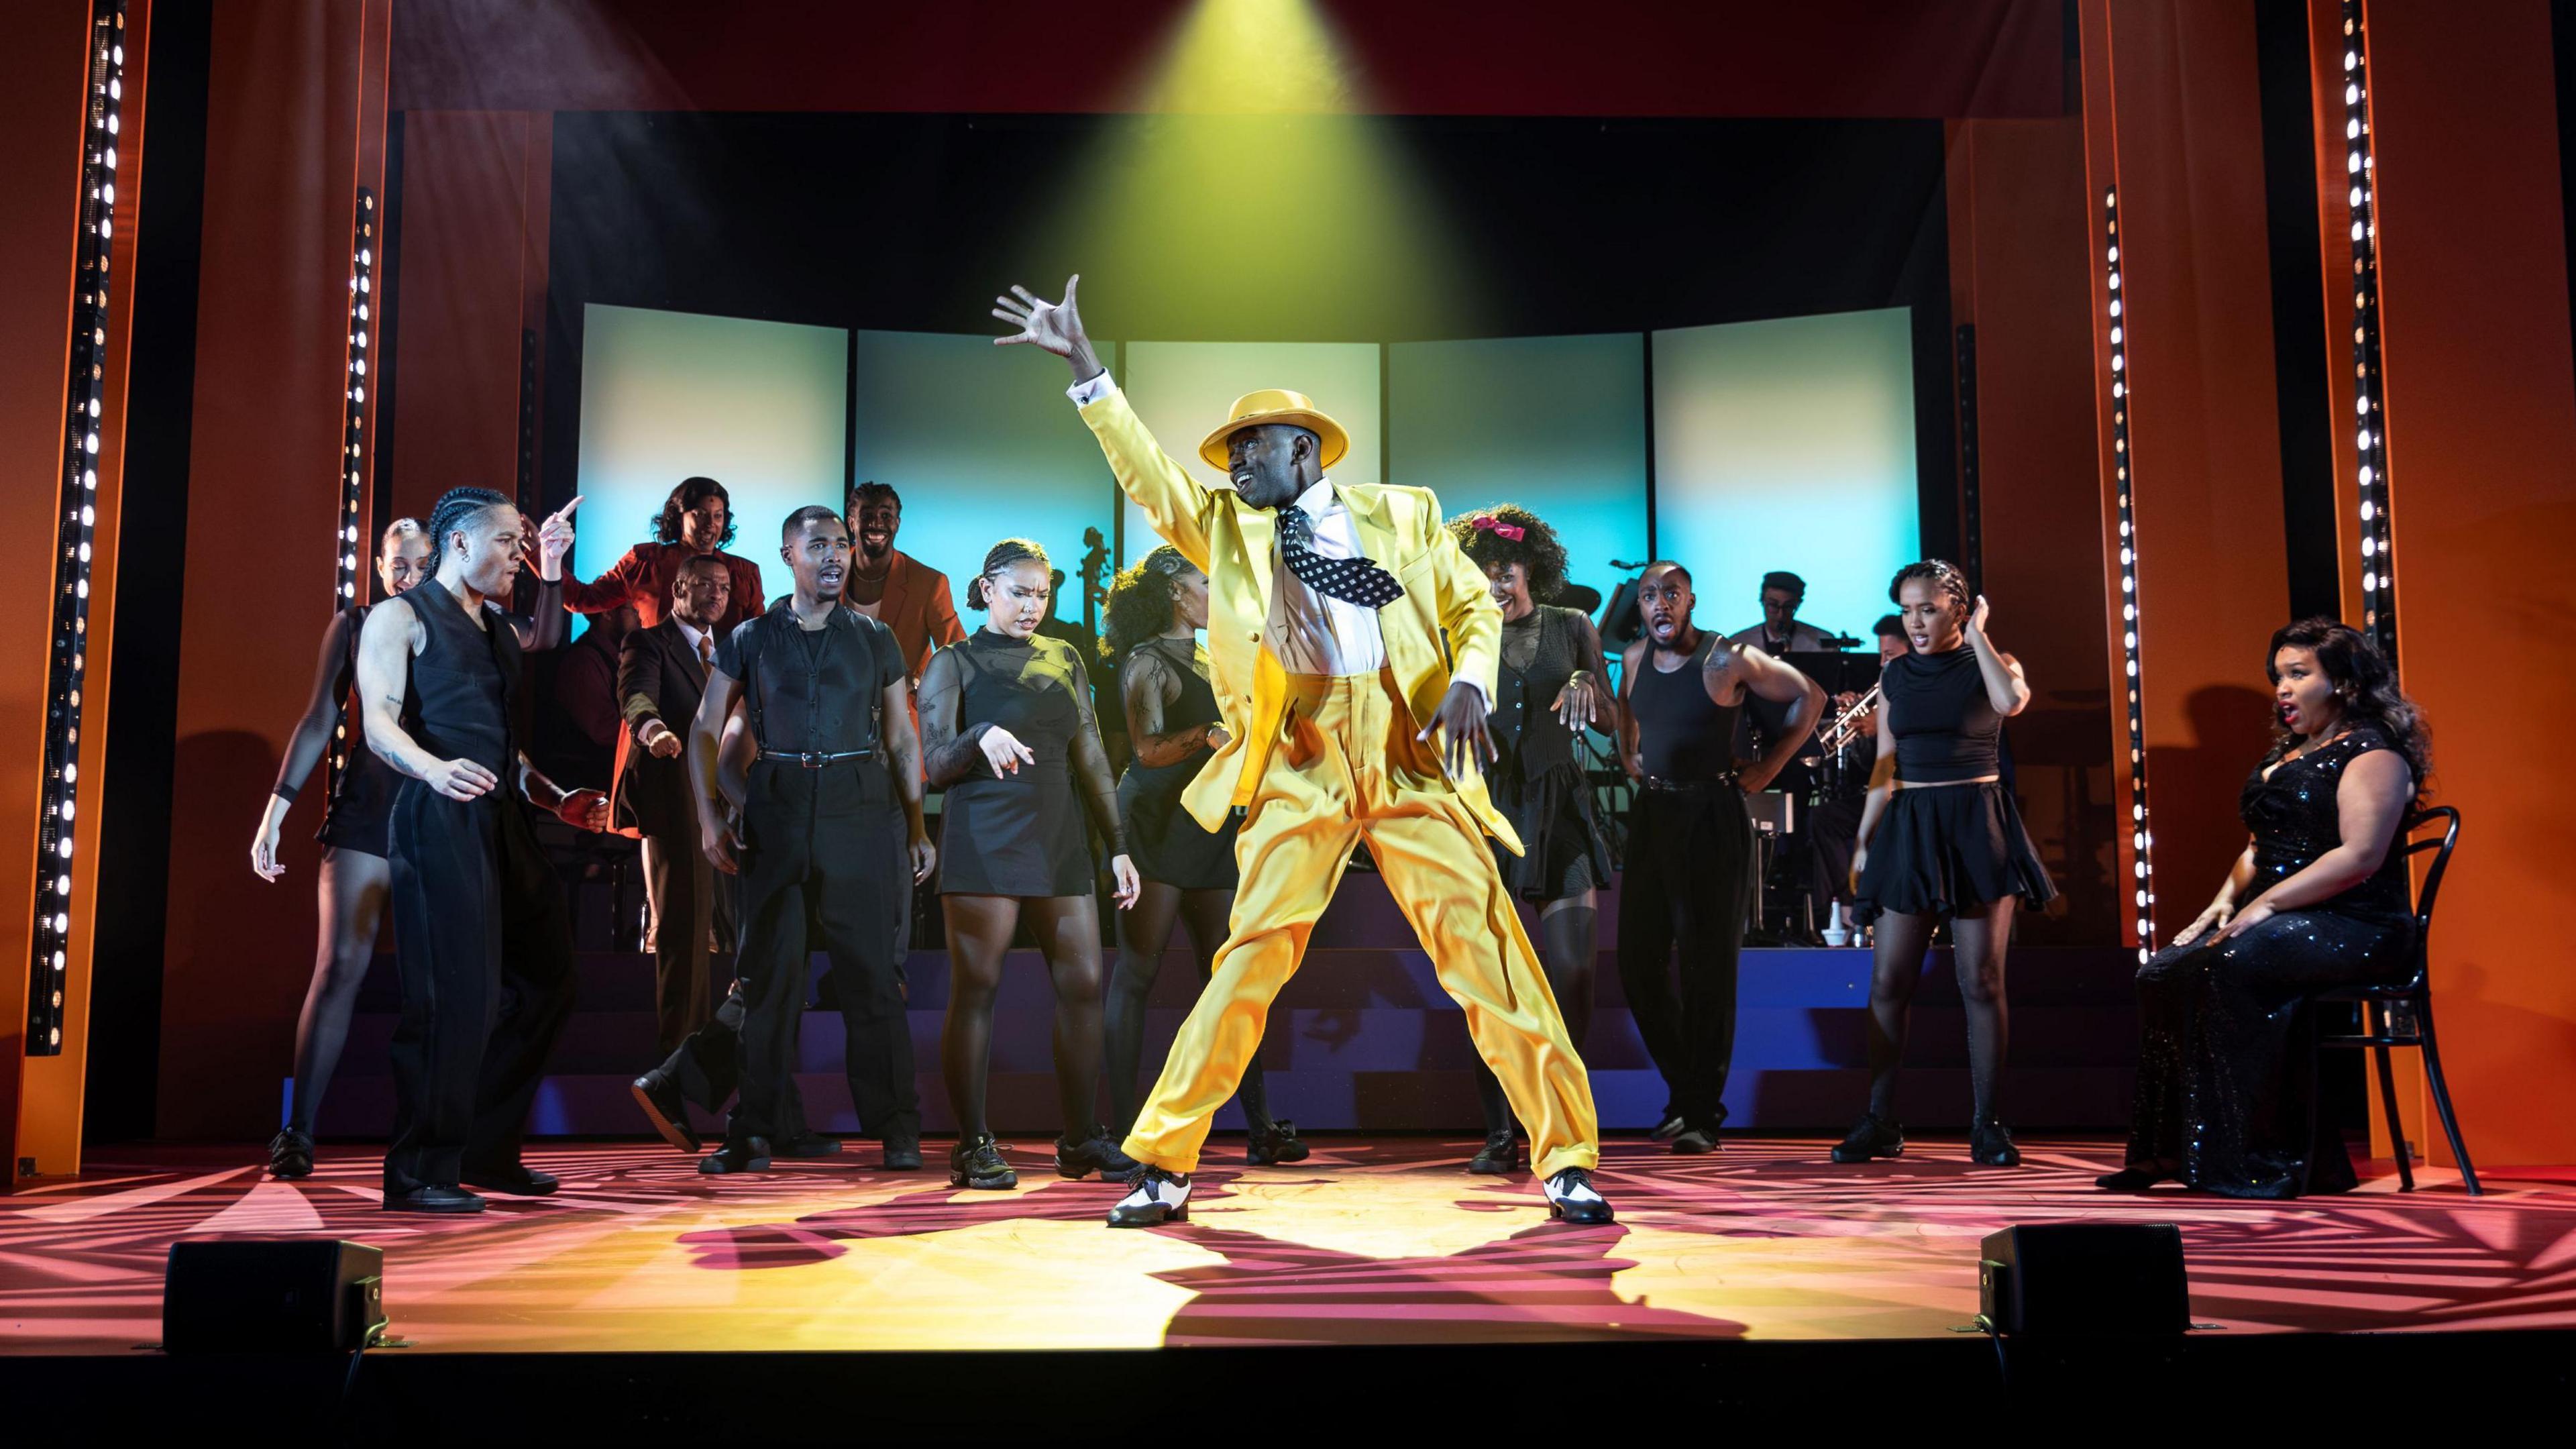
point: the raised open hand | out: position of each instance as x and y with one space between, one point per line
1978 613
1055 326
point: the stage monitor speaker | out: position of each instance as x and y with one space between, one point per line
275 1295
2083 1279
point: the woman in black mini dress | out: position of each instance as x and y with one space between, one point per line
1942 838
1155 611
1006 729
1548 689
2318 900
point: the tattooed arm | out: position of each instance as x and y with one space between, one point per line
393 634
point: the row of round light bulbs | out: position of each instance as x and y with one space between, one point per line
2141 839
86 392
2377 565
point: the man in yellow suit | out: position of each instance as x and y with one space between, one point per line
1326 606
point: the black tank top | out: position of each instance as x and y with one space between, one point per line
1197 702
1945 727
457 705
1682 733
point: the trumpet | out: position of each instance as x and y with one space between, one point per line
1839 735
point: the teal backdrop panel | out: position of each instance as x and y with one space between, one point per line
1555 424
983 445
758 406
1788 444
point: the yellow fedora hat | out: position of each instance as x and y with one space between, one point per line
1276 405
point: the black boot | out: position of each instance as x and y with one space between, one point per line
290 1155
433 1200
1094 1153
902 1152
1991 1145
1871 1136
1500 1154
1697 1138
514 1179
977 1162
1274 1144
738 1154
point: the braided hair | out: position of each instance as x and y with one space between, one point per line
1001 556
1943 577
1485 537
456 508
1142 602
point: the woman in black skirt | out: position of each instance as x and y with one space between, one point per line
1006 728
1942 838
1151 630
1548 689
2318 900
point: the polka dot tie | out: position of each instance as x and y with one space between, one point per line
1352 580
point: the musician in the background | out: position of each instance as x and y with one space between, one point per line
1780 632
894 588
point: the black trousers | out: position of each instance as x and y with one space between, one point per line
1682 903
484 947
823 863
690 899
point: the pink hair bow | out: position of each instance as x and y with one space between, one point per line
1486 522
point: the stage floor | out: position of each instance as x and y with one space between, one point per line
1370 1241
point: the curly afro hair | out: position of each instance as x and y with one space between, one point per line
1537 550
1141 601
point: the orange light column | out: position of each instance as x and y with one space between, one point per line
2480 413
294 126
2172 125
45 80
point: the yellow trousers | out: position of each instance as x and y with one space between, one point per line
1347 768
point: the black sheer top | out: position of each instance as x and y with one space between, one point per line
1038 690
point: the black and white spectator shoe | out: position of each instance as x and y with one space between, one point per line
1571 1196
1153 1196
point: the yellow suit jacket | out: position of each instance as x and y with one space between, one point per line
1235 544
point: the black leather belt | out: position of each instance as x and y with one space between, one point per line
816 761
1683 787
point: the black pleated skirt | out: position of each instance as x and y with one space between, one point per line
1945 848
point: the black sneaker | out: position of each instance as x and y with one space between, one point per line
902 1154
1094 1153
1500 1154
1274 1144
1990 1144
1871 1136
977 1162
1669 1128
290 1155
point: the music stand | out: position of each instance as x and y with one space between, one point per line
1840 672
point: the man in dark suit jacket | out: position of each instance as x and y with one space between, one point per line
661 673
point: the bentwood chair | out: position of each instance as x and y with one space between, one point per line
2401 1015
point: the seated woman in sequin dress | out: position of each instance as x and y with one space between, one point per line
2318 901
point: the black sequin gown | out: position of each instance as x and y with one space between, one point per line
2223 1075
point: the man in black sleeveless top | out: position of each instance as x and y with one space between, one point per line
830 813
1689 875
481 936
